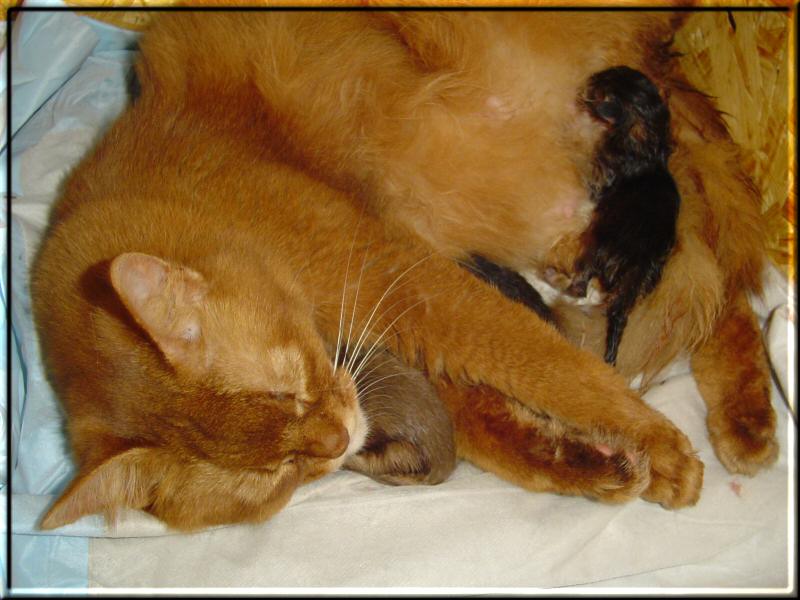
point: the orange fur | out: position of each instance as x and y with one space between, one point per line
741 420
190 288
537 452
463 128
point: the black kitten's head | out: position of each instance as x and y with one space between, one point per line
631 106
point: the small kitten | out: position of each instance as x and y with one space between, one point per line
513 285
632 231
410 439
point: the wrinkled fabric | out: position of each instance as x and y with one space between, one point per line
68 77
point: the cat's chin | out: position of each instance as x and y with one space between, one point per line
358 433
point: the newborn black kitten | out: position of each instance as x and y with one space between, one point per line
513 285
632 231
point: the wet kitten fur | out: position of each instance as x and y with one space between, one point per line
632 231
513 285
195 274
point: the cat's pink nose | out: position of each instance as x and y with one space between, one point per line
330 441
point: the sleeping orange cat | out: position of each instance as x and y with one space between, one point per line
246 223
464 128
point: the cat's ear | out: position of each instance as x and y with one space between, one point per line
126 480
167 301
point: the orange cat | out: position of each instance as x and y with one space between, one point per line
464 128
198 282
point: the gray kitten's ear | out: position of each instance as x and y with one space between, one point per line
167 300
126 480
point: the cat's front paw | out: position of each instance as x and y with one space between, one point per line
743 436
676 474
610 472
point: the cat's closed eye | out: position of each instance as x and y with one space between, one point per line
301 402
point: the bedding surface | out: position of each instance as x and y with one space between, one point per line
472 532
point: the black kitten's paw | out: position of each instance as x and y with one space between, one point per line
581 289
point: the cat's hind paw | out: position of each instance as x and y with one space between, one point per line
743 436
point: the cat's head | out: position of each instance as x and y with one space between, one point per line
631 106
217 401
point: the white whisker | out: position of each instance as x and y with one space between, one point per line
372 370
344 291
380 337
373 383
355 302
365 331
368 355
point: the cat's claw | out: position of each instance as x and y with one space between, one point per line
606 472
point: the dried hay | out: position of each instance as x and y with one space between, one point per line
744 60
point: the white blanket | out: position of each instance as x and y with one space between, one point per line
345 531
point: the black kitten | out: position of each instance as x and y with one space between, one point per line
632 231
513 285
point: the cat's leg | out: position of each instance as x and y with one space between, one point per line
617 318
410 435
729 364
733 377
467 330
538 367
437 316
539 453
628 289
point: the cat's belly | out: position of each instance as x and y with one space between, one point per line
513 189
